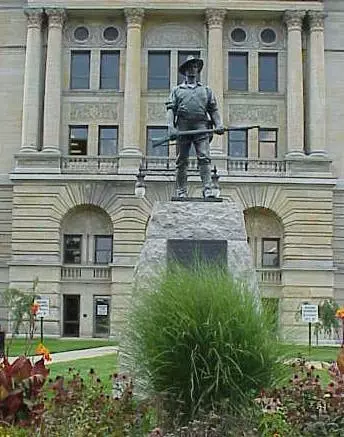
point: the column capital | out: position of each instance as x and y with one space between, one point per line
56 17
215 17
134 16
34 17
316 20
294 19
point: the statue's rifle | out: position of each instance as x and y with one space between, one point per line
164 141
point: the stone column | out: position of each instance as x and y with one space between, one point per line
32 81
316 91
215 66
295 106
53 82
132 87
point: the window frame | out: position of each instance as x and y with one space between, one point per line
275 130
150 78
162 147
269 266
100 128
77 126
65 236
236 53
116 76
95 251
73 78
230 142
263 89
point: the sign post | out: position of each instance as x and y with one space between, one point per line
310 314
43 311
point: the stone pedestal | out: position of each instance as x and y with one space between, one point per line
197 221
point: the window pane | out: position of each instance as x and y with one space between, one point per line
268 143
238 71
158 70
270 254
109 70
72 249
155 134
108 137
181 58
80 70
268 72
78 140
237 143
103 249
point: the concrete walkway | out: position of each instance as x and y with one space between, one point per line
60 357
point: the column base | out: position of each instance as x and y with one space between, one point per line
130 159
51 149
295 154
28 148
318 154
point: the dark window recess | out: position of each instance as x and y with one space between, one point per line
81 33
268 72
238 71
80 70
71 315
111 34
270 252
102 249
268 36
109 70
238 35
237 143
155 133
72 249
158 70
182 55
268 143
107 141
78 140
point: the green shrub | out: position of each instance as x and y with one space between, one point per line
198 337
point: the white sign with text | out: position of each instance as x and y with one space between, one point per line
310 313
44 304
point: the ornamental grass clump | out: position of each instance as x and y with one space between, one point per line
199 338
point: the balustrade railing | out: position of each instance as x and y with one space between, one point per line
80 273
239 166
89 164
269 276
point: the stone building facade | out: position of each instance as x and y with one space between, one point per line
83 86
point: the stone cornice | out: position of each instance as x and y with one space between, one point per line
294 19
56 17
134 16
34 18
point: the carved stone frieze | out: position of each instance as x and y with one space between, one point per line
93 111
215 17
239 113
95 38
57 17
316 20
294 19
174 35
253 31
156 112
34 18
134 16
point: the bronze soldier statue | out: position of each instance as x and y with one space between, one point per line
192 106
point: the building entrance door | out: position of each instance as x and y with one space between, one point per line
101 316
71 315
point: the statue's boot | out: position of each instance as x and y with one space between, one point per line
205 173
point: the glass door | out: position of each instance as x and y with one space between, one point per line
101 316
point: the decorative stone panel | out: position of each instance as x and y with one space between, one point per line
95 38
253 113
174 35
94 112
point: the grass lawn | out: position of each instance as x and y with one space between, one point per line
57 345
103 366
318 353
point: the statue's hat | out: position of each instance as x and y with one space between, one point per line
190 60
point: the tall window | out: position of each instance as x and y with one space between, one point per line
270 252
80 69
158 70
72 249
102 249
78 140
238 71
268 72
267 143
109 70
237 143
107 140
155 133
182 55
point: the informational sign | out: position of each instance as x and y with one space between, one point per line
310 313
102 310
43 310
